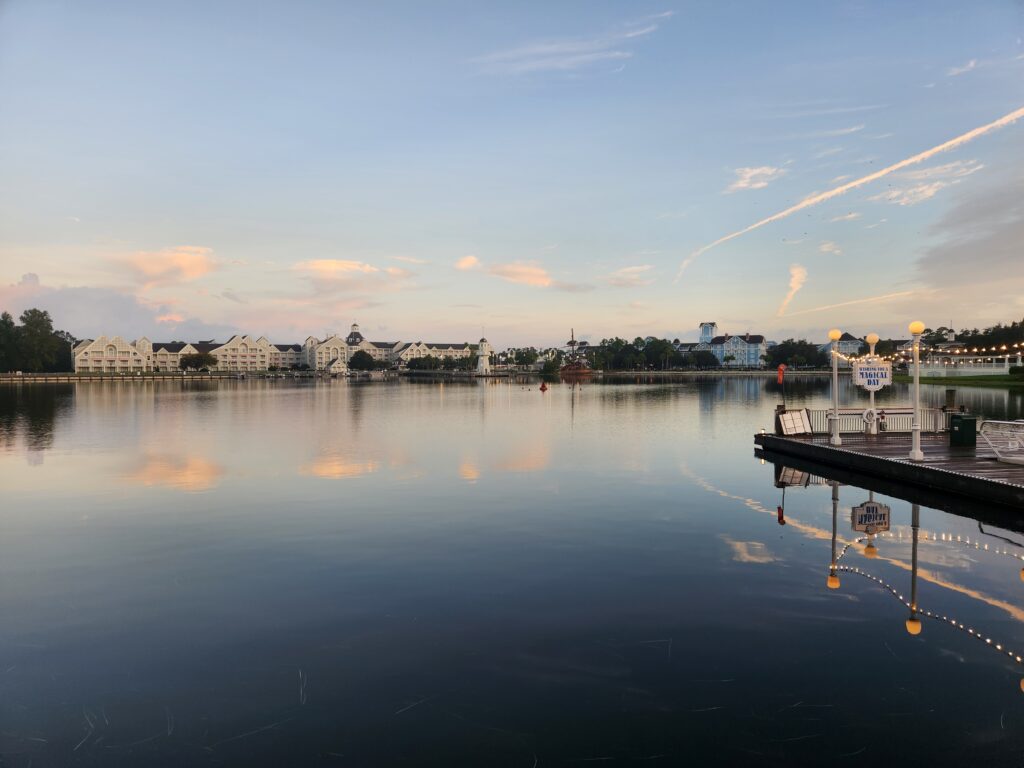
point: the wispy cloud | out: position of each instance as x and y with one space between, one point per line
851 216
869 300
831 248
411 260
524 273
571 54
822 197
797 278
930 181
630 277
754 178
467 262
827 152
954 71
828 133
824 111
335 267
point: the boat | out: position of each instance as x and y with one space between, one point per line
575 365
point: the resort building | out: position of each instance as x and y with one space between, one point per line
746 351
244 353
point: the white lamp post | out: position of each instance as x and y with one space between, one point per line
916 454
872 339
835 334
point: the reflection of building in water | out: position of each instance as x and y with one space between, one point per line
244 353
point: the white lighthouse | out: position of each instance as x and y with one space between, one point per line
483 359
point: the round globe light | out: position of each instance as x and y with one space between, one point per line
872 338
832 581
914 626
835 334
916 327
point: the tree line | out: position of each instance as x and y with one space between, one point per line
32 345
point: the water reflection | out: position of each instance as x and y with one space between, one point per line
479 573
986 568
186 473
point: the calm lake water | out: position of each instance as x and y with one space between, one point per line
477 574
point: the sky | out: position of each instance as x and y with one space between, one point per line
441 171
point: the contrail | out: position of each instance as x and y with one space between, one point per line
848 303
797 278
821 197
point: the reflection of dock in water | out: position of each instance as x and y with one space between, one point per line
973 474
794 473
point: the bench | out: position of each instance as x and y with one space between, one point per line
1005 438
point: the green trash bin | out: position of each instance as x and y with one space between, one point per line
963 430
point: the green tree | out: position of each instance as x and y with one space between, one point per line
702 358
526 356
361 361
10 354
796 353
37 343
197 361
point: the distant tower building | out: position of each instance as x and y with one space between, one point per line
483 360
354 336
708 331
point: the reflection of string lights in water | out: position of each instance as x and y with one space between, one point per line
945 619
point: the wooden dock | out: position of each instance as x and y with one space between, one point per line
973 474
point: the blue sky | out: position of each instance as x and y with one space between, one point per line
284 168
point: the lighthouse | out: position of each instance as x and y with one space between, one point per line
483 360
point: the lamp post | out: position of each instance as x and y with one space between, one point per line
916 454
872 339
835 334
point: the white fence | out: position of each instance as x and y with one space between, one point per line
852 420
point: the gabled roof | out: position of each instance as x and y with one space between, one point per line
169 346
384 344
205 346
289 347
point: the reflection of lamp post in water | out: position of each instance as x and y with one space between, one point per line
835 334
914 623
833 579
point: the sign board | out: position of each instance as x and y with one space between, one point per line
795 422
870 517
872 375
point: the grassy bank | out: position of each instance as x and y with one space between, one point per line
967 381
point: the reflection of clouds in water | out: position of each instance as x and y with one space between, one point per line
187 474
749 551
469 471
533 459
339 468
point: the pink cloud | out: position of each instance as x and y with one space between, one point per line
171 265
467 262
525 273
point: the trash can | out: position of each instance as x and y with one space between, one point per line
963 430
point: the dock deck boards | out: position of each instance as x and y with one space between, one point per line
972 472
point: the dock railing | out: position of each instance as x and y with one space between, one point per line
900 419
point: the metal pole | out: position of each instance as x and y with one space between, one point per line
835 439
914 623
873 427
916 454
833 578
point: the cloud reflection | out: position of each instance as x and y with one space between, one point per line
191 473
339 468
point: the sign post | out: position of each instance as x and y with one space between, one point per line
872 374
870 517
